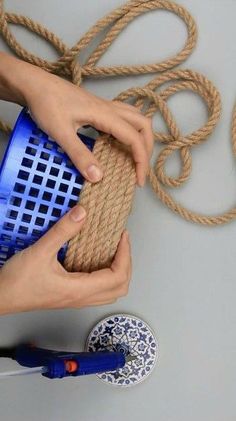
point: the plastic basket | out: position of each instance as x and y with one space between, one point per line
38 184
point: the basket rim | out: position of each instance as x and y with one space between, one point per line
16 128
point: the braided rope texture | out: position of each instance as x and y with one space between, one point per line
109 202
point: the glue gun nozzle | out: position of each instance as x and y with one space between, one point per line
130 358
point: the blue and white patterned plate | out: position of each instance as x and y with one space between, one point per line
128 334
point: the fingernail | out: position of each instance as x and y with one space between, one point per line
77 213
140 185
94 173
126 233
142 182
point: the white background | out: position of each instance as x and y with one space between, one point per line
184 275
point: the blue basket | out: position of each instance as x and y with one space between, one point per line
38 184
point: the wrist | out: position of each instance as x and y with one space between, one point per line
14 76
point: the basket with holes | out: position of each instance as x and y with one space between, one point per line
38 184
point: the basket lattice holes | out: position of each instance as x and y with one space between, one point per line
41 185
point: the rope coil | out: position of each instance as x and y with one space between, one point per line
108 203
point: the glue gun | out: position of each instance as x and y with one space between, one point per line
59 364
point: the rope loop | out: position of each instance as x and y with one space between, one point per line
118 19
150 99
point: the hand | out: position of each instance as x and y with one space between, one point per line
61 108
33 279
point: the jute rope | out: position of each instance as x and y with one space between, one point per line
108 203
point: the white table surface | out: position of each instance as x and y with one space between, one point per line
183 280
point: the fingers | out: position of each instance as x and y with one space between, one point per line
140 122
109 121
102 286
81 157
122 265
89 303
124 105
123 121
68 226
100 303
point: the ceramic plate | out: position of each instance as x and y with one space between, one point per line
128 334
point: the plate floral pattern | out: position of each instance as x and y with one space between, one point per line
128 334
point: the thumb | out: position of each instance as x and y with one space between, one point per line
66 228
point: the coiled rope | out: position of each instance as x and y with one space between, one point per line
108 203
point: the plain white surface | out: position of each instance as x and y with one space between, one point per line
184 275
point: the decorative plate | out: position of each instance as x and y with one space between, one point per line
128 334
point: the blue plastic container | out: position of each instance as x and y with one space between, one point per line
38 184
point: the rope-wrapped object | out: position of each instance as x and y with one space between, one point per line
108 203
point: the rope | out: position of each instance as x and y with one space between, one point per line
108 203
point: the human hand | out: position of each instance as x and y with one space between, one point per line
33 279
61 108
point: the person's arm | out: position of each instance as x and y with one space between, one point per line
33 279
